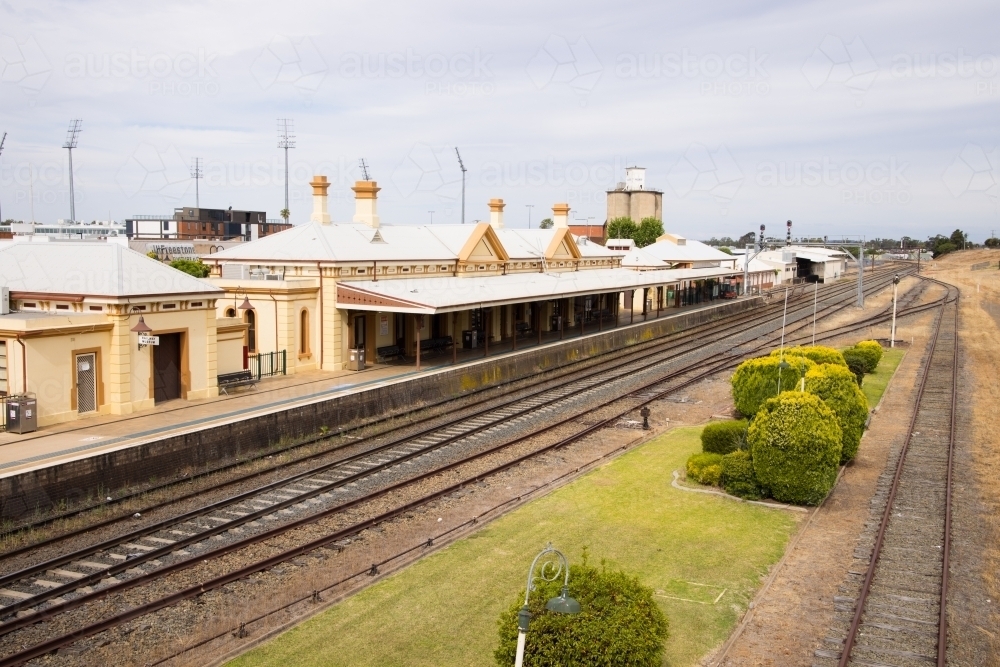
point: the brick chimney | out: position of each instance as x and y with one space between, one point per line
496 213
320 213
366 202
560 215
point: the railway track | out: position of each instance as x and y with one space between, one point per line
677 344
422 416
893 611
322 493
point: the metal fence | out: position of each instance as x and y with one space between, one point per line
266 364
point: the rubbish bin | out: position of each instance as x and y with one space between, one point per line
470 339
22 414
356 359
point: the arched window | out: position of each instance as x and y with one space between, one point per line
251 318
304 332
230 312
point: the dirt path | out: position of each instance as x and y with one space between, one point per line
789 621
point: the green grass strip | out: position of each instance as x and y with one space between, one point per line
706 555
875 383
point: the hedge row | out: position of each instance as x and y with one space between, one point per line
724 437
620 623
818 354
705 468
795 445
837 387
757 380
738 476
867 354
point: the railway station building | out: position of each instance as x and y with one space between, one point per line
333 295
71 334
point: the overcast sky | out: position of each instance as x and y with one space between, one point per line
873 118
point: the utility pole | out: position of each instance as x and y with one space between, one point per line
461 166
892 336
529 207
286 140
196 174
71 137
2 140
432 216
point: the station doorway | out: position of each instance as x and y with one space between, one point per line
167 368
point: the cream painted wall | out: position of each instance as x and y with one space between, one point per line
50 372
229 349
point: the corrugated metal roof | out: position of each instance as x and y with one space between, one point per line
92 269
445 294
691 251
353 242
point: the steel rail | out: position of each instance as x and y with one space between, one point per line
339 432
299 497
852 634
159 573
631 353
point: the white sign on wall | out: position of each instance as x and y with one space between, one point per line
148 340
383 325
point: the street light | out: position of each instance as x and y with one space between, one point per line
564 604
141 327
895 285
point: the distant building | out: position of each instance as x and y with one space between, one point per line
632 199
64 230
214 224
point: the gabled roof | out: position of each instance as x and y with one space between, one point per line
95 269
483 245
352 242
690 251
638 258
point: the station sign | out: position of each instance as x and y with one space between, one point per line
148 340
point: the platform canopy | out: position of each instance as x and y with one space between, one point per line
448 294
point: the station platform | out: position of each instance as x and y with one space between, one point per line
60 444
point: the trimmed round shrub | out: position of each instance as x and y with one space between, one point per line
724 437
819 354
795 444
857 363
756 380
875 347
838 388
704 468
738 477
619 624
867 355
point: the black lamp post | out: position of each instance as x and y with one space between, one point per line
563 604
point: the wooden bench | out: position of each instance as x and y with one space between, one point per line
435 344
242 378
388 352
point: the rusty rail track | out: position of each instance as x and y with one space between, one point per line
673 380
900 614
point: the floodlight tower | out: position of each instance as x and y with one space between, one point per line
71 137
462 167
286 140
196 174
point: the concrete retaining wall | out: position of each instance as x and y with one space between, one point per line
171 456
